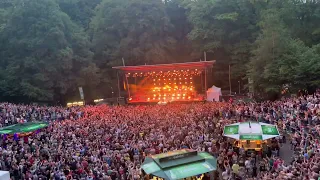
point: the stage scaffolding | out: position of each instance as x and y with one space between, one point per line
164 82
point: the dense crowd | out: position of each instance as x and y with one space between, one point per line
110 143
13 113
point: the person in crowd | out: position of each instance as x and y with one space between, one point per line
111 143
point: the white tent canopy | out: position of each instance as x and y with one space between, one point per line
213 93
251 131
4 175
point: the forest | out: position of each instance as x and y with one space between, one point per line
49 48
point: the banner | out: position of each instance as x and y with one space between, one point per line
251 137
269 130
81 93
229 130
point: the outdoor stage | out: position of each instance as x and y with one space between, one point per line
164 83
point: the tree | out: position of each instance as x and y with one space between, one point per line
227 29
79 11
280 60
43 51
135 30
183 50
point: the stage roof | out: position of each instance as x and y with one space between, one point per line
167 67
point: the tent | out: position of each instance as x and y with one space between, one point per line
251 131
213 93
179 164
4 175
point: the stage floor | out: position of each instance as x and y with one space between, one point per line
163 103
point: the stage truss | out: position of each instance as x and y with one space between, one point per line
164 82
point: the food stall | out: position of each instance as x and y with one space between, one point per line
183 164
251 135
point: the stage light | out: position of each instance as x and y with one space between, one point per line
185 78
154 80
180 78
178 97
158 79
164 95
189 97
190 77
183 98
154 98
130 99
164 98
158 98
148 99
153 90
178 94
159 95
173 95
172 98
154 95
183 94
191 82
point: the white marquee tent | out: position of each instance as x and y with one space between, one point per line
213 93
4 175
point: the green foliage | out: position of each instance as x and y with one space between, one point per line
134 30
43 51
280 58
51 47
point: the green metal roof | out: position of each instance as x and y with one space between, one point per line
179 164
